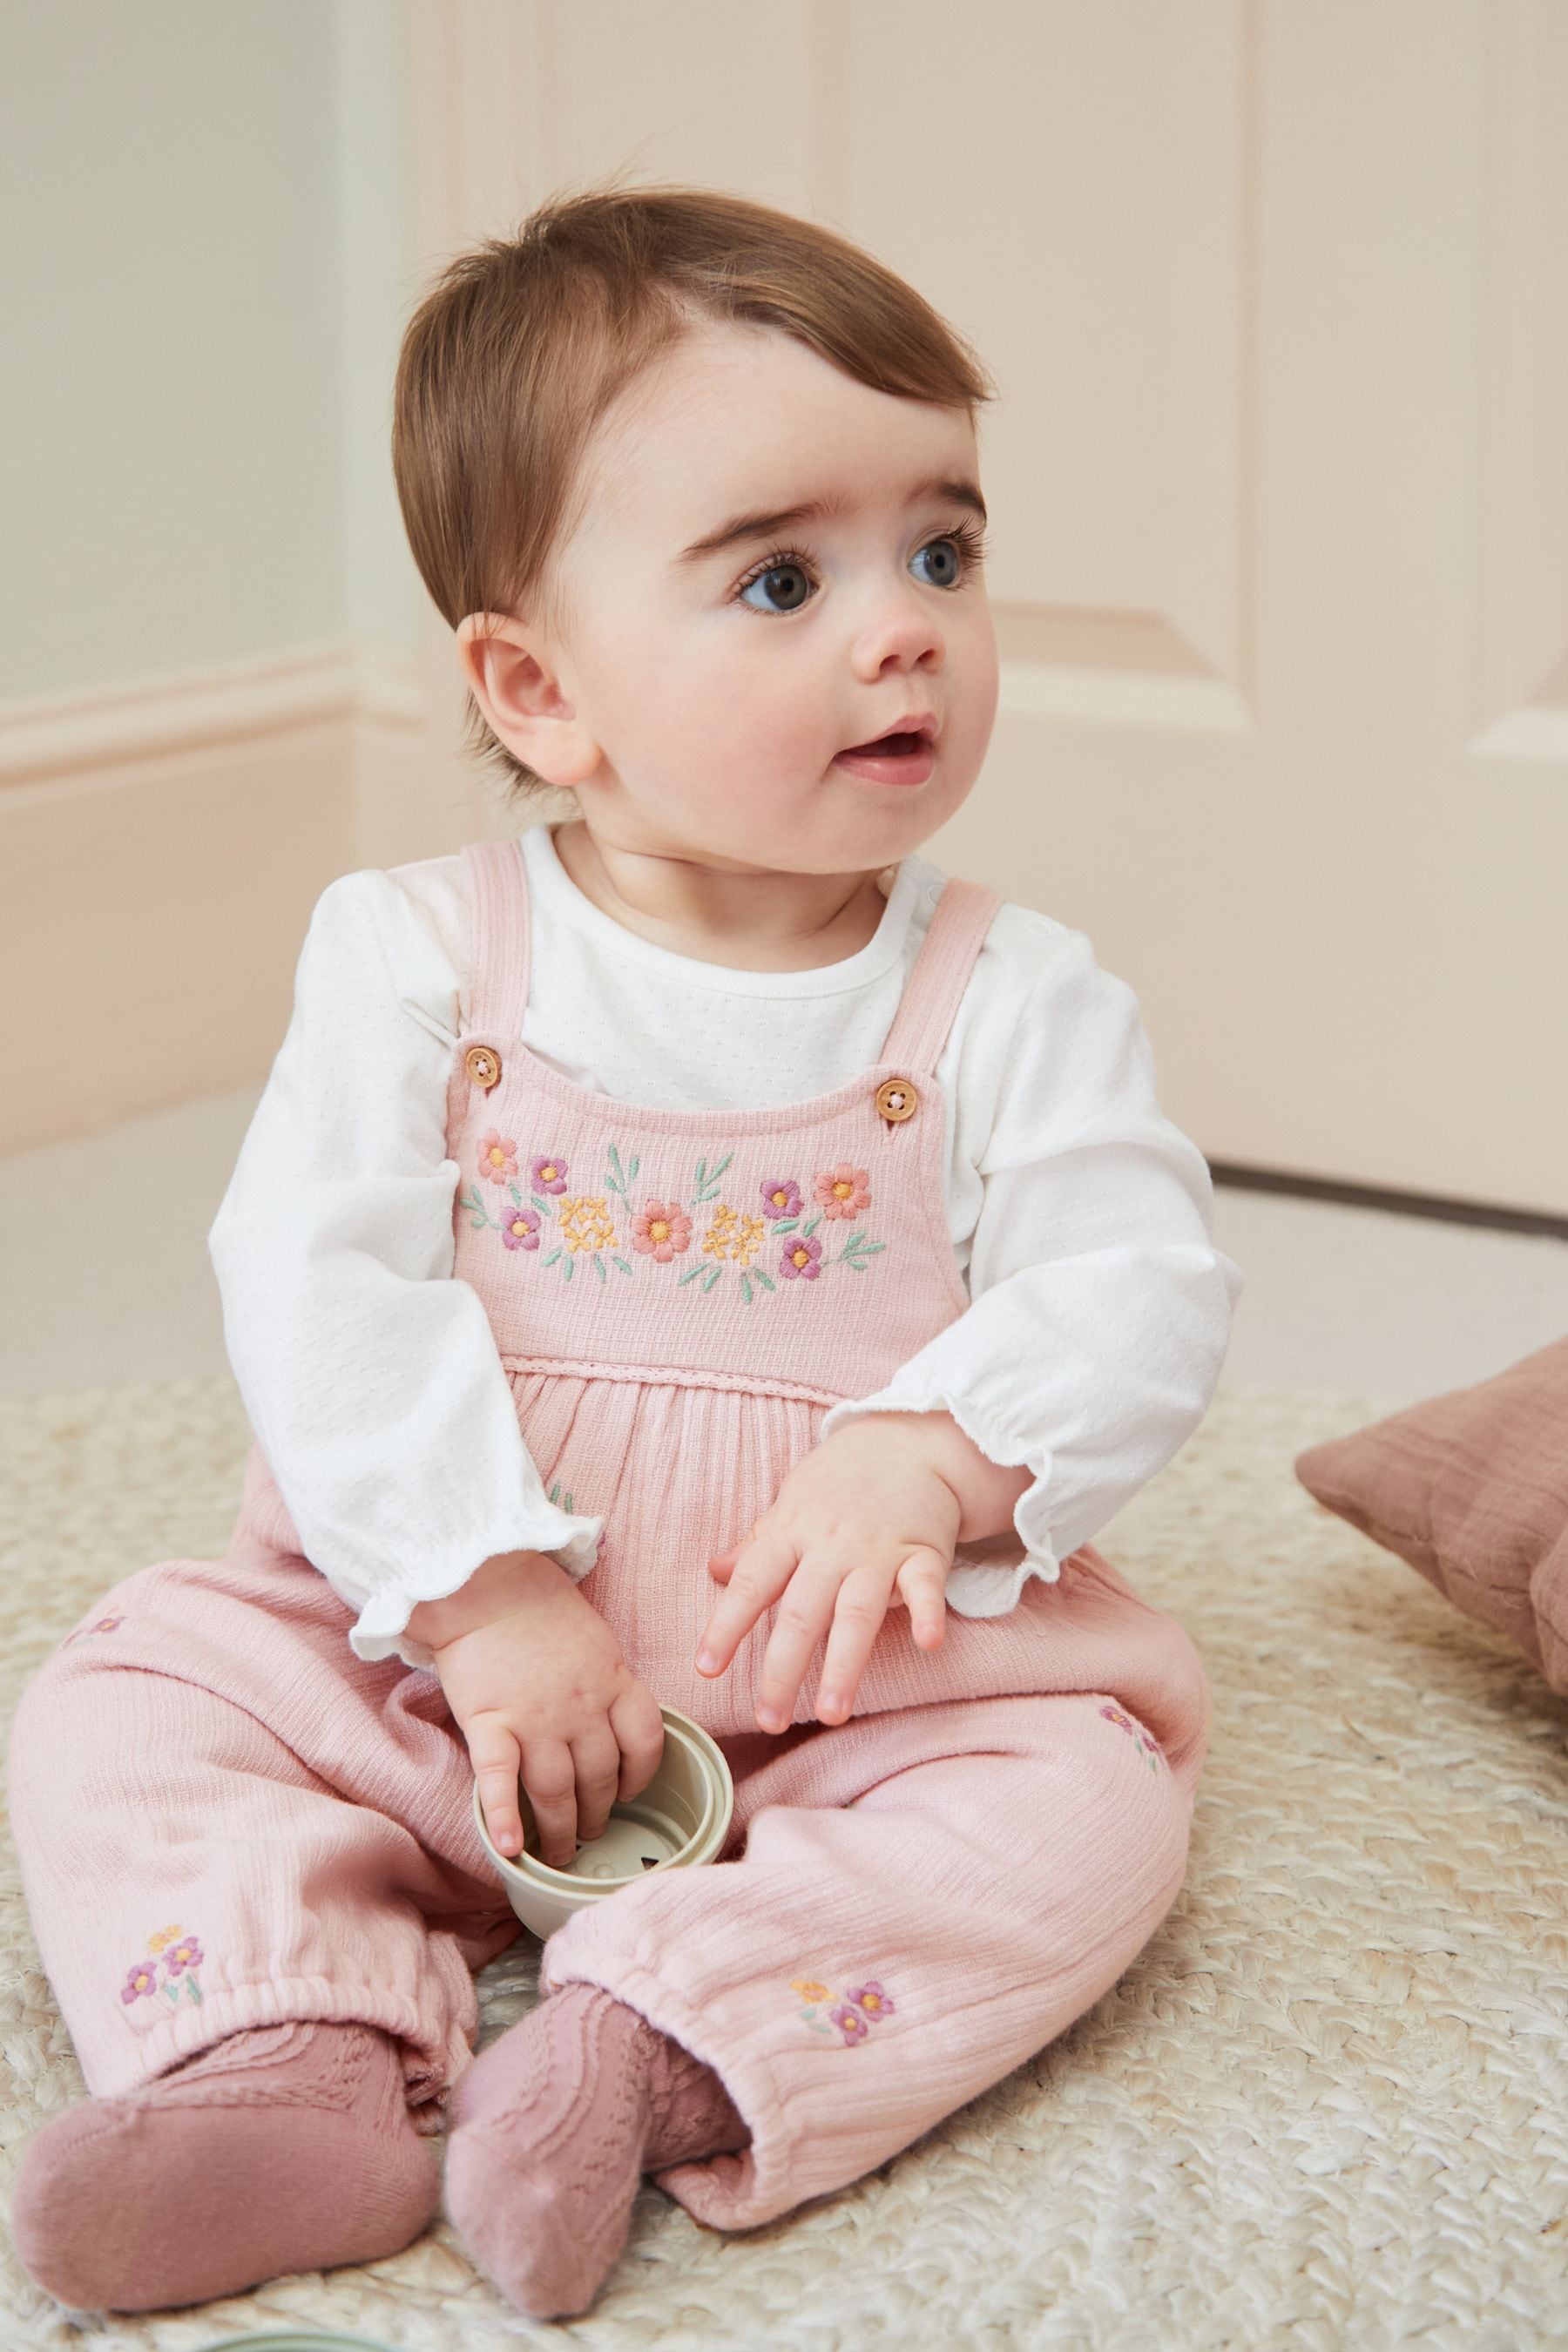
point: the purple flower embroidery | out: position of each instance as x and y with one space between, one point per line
142 1978
850 2022
801 1256
871 2001
187 1955
781 1197
520 1228
548 1173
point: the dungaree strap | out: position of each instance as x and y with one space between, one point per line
498 937
498 933
954 937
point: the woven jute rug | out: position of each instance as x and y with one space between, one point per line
1328 2106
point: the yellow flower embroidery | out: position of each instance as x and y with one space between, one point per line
733 1237
165 1935
808 1990
586 1224
720 1233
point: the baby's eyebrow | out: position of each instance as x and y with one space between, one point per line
764 525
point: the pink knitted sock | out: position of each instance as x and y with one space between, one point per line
554 2125
288 2147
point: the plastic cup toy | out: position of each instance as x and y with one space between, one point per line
680 1818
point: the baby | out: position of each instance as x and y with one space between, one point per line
693 1253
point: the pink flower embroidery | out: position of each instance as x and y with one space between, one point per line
548 1173
843 1192
143 1978
781 1197
802 1258
661 1231
850 2022
498 1157
872 2001
520 1229
187 1955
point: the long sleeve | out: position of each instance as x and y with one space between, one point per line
1099 1308
370 1374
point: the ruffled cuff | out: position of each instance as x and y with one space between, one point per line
983 1589
571 1538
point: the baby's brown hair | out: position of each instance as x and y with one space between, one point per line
522 344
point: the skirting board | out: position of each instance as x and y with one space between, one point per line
1377 1196
161 848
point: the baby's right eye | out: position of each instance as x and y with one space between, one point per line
782 581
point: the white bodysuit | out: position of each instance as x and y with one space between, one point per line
1080 1217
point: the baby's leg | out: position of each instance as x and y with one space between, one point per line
259 1894
925 1899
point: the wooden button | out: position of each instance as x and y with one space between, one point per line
482 1066
897 1100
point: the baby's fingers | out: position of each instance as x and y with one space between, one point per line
755 1582
638 1727
497 1758
922 1586
549 1777
857 1614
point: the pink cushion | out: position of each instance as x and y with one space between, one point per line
1472 1489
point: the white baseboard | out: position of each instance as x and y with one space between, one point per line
162 845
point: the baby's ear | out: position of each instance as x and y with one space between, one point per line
507 669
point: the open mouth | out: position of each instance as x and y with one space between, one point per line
888 747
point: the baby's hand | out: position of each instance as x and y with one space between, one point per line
863 1523
541 1692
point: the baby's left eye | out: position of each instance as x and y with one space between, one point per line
944 560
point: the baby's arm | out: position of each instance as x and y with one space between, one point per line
1100 1310
371 1375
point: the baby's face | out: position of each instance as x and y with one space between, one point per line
725 685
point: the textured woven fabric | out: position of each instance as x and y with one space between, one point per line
1325 2107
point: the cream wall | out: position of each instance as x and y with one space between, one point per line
1273 293
208 618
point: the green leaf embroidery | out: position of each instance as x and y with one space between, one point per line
766 1279
552 1258
712 1278
684 1278
571 1265
708 1184
746 1289
813 1224
616 1181
599 1267
555 1490
624 1267
786 1225
548 1206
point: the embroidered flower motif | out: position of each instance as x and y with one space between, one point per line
662 1230
520 1228
781 1197
802 1258
720 1238
182 1957
1145 1745
585 1223
548 1174
843 1192
733 1237
852 2014
498 1157
99 1625
850 2022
